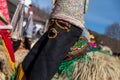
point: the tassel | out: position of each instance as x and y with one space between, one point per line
86 6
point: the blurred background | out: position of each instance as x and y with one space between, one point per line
102 18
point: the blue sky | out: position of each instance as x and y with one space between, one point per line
101 13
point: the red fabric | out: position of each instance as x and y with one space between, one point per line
8 43
93 44
4 11
30 9
5 33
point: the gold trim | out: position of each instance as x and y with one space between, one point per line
67 27
53 2
51 22
54 31
59 25
9 58
20 75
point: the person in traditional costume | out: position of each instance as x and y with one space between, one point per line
66 25
28 29
17 24
6 41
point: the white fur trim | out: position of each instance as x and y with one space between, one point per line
6 27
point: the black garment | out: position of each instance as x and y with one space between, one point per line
16 44
44 59
27 43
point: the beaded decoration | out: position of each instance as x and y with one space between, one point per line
79 51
